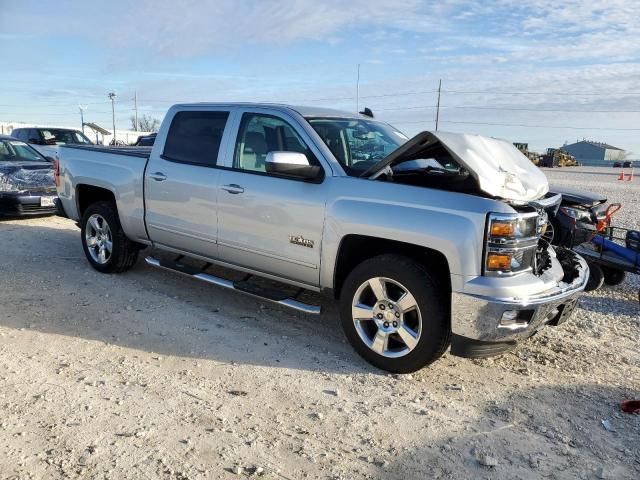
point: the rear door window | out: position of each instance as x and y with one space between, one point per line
195 137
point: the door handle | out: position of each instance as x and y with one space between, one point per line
158 176
233 188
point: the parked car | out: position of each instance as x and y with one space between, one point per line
627 164
47 140
26 180
425 242
617 164
146 140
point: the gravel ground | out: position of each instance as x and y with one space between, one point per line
150 375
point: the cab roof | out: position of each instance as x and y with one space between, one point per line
305 111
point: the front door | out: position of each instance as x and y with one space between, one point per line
181 182
270 223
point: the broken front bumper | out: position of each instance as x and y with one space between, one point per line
486 325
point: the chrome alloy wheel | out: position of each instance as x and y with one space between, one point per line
98 239
387 317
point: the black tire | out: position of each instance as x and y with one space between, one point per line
613 276
596 278
124 252
431 300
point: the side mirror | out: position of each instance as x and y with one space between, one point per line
292 164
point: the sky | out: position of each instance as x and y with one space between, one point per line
544 72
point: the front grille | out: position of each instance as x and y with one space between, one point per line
34 207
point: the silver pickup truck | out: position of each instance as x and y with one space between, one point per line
436 241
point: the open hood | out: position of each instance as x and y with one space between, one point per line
498 167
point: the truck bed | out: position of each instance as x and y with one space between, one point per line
117 170
142 152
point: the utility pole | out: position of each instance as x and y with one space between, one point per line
358 90
82 109
112 97
135 107
438 105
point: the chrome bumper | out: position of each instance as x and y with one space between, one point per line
508 319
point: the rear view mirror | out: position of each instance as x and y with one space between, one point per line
292 164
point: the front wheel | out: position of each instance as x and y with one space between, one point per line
394 313
596 278
105 245
613 276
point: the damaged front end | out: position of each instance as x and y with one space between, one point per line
14 178
525 283
465 163
27 189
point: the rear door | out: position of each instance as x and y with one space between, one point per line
269 223
181 181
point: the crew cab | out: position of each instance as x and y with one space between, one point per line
436 241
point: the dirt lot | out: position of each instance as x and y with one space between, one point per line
150 375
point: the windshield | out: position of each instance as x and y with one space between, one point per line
55 136
16 151
357 144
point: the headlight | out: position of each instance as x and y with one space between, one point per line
576 213
512 228
511 242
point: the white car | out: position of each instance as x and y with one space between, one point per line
47 140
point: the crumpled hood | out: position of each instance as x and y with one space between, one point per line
500 169
23 176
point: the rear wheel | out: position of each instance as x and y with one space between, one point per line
613 276
105 245
394 314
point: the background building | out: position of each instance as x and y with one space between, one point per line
588 152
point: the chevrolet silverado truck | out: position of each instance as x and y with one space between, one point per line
436 241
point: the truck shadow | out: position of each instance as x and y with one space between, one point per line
47 285
544 432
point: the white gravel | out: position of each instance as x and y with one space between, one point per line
149 375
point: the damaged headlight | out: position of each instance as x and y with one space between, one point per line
511 242
577 214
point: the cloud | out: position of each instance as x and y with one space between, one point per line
539 30
298 51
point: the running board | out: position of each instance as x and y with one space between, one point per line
241 287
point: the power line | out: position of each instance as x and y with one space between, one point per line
505 108
521 125
494 92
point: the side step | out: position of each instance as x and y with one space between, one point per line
271 295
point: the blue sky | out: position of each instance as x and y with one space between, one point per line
523 70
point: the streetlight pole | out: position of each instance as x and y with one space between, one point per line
438 106
112 97
135 107
82 109
358 89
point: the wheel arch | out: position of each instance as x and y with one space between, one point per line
88 194
354 249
